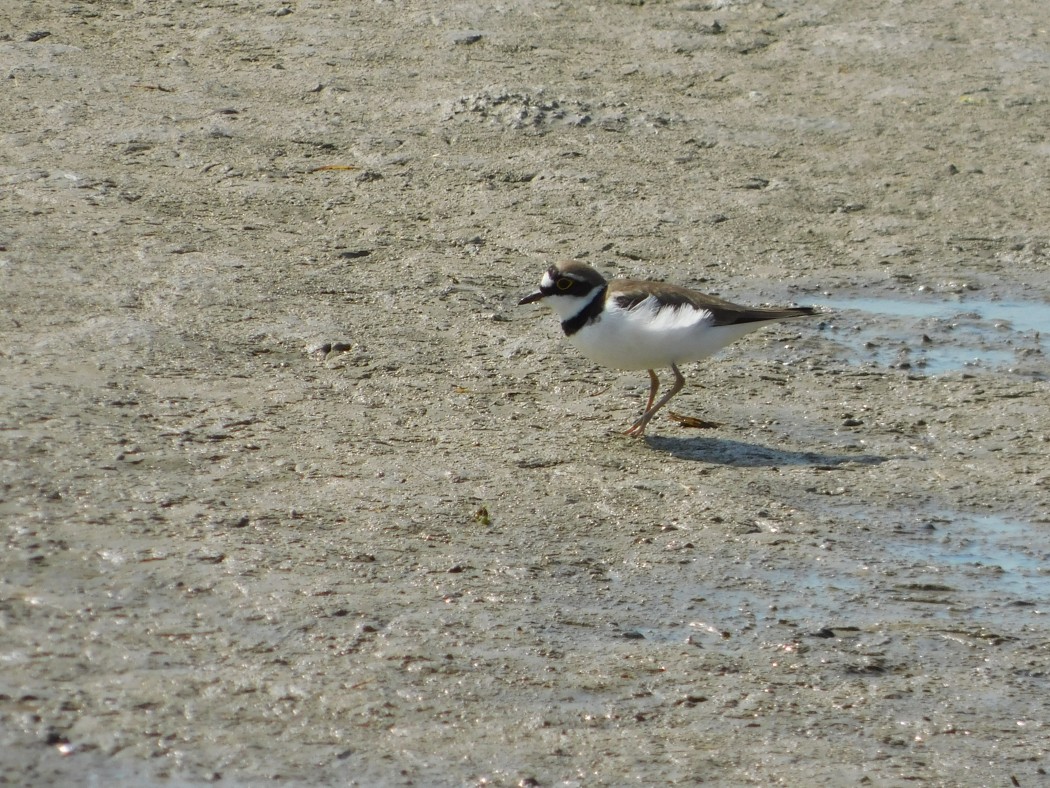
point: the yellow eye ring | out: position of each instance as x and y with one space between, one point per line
564 283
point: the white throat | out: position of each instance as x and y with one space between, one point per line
568 306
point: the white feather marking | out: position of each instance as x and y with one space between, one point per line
657 317
647 337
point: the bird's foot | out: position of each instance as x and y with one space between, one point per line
634 432
637 430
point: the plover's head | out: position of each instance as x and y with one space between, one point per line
568 286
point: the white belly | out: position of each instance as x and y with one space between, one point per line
640 338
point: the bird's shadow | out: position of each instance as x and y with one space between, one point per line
722 451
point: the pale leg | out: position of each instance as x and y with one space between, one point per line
654 386
638 428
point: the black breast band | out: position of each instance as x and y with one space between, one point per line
588 314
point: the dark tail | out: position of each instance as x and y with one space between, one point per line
759 315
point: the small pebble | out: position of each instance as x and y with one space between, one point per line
466 37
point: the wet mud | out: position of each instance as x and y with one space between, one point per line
293 492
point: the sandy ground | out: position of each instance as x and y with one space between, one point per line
292 491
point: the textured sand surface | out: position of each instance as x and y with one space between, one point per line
292 491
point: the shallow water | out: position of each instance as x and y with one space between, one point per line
997 552
1021 316
968 554
944 336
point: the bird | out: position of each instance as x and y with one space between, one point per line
635 324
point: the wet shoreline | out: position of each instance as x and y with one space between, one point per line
294 492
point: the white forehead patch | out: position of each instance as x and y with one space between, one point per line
548 281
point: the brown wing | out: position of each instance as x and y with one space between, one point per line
629 293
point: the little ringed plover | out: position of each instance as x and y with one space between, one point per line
637 324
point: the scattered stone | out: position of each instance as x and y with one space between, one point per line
466 37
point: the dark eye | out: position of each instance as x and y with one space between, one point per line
564 283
